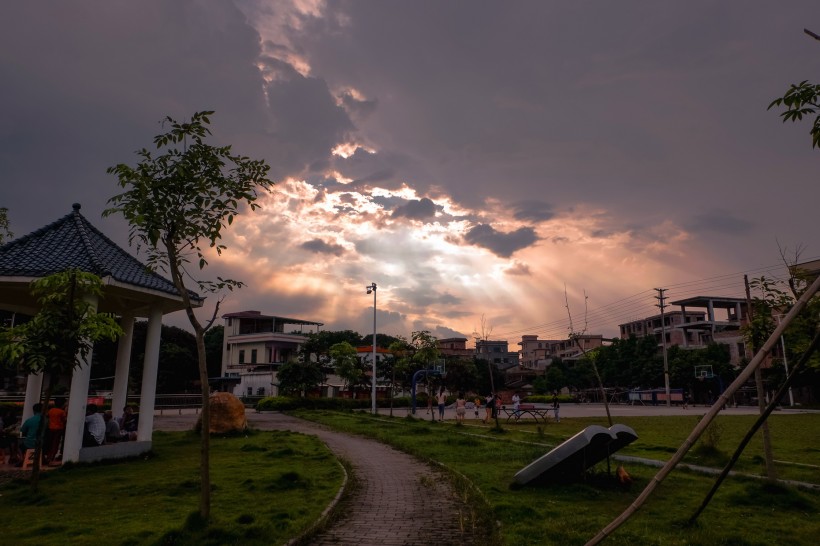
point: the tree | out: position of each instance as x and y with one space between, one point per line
348 366
425 348
213 350
177 204
317 345
802 99
59 337
398 365
300 377
5 233
461 376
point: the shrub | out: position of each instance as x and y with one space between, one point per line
285 403
547 399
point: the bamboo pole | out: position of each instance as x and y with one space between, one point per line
709 416
815 343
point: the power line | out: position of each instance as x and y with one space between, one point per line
639 305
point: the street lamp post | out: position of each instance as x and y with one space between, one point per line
372 288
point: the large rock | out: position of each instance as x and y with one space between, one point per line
227 414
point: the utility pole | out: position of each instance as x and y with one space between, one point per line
662 305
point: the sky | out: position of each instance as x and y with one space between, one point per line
496 168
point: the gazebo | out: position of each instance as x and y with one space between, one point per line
131 291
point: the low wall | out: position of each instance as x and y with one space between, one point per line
120 450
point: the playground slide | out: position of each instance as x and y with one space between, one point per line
568 461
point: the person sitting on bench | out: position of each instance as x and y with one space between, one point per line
94 430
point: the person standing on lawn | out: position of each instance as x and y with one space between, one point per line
516 400
28 432
56 429
442 402
461 408
489 402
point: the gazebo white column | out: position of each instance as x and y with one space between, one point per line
120 394
34 386
77 400
149 376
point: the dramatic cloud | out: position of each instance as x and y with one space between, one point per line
500 244
720 220
321 247
417 209
466 168
533 211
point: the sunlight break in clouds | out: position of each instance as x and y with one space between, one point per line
329 244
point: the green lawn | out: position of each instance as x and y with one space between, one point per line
270 486
267 488
744 512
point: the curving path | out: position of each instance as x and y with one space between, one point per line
400 501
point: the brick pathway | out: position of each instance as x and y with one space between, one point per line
400 500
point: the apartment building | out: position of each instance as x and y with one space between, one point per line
652 326
255 345
496 352
536 354
701 320
455 348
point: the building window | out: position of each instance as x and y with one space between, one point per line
241 356
253 356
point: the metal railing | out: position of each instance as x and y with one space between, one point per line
162 403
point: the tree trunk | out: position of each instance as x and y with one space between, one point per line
600 383
199 331
205 445
768 456
41 432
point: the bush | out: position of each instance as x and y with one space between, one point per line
285 403
547 399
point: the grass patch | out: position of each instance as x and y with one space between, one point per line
744 512
256 499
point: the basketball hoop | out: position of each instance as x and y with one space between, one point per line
704 372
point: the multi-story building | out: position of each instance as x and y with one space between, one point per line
700 321
653 326
496 352
255 345
536 354
455 348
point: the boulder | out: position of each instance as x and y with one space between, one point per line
227 414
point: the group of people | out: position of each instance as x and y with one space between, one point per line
492 405
103 428
16 438
99 428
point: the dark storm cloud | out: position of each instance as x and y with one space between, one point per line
366 168
378 176
533 211
417 209
357 107
420 297
719 221
86 85
500 244
321 247
307 122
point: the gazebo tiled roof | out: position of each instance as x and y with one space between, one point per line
72 242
